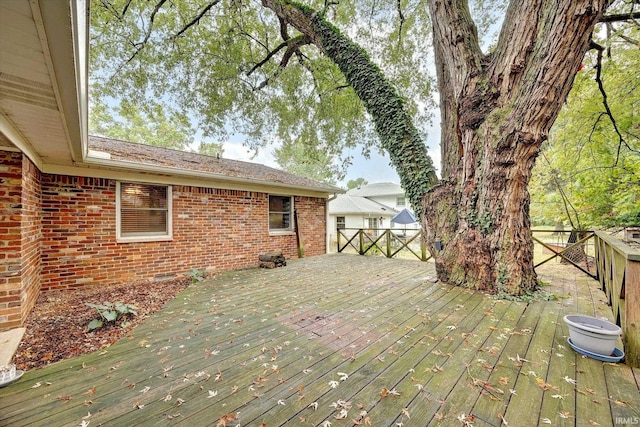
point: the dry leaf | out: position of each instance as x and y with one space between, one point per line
504 421
386 392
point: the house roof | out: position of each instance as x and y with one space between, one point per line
377 189
347 204
174 161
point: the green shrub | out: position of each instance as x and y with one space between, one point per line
197 275
110 312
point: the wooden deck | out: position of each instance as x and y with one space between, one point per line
340 340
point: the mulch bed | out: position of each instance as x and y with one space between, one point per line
57 325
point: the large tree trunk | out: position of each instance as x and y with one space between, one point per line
496 111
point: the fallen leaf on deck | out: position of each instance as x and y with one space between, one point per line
386 392
222 421
341 415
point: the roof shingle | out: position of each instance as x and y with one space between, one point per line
218 168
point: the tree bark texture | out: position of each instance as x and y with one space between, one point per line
496 110
496 113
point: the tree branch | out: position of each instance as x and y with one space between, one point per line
327 5
293 45
401 16
629 40
125 8
456 30
196 20
565 199
283 29
267 58
140 45
605 102
621 17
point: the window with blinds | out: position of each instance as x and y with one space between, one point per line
144 211
280 213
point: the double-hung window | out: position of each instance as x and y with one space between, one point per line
143 212
280 214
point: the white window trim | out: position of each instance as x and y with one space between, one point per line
147 238
282 231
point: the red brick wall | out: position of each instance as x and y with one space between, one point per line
31 224
312 223
10 239
212 228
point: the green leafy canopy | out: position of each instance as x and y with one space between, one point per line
224 75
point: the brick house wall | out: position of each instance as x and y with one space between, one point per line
31 241
212 228
20 237
10 238
59 232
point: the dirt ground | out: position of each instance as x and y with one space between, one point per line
57 325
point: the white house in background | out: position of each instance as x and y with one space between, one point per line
347 211
386 193
368 207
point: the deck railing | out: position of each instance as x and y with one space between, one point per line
618 267
569 247
388 242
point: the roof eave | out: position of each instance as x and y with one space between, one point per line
168 170
66 30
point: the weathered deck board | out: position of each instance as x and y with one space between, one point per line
269 345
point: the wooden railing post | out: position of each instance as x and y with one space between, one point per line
423 246
361 239
388 233
632 313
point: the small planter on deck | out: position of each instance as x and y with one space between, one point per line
595 336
